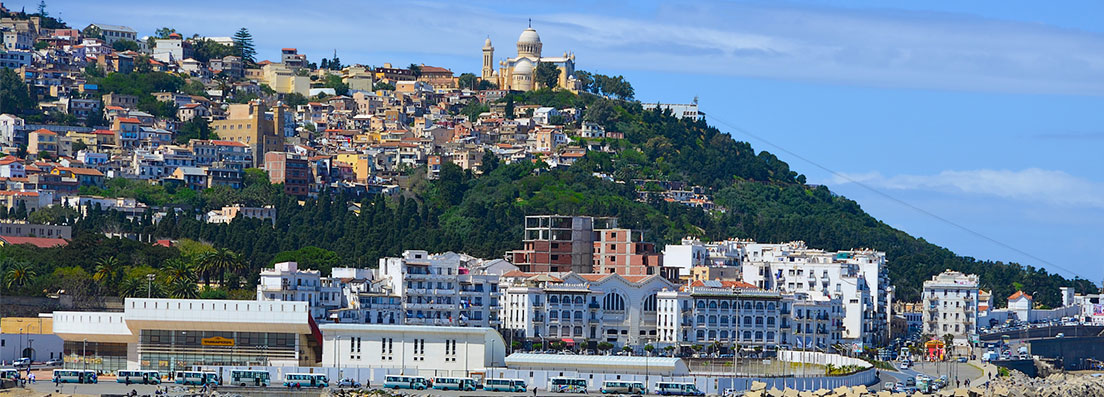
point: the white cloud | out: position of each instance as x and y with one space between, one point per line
1032 184
866 47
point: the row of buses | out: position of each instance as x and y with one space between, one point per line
263 379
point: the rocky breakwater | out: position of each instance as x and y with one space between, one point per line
1016 385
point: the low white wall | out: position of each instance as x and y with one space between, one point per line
821 358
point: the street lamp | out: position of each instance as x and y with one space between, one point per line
84 355
149 285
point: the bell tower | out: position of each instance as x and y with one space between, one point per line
488 60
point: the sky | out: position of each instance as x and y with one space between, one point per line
974 125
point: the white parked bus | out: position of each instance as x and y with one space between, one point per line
241 377
139 377
677 389
508 385
567 385
196 378
306 380
406 382
466 384
74 376
623 386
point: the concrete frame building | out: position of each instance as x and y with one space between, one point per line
558 243
624 251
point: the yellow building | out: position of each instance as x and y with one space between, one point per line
361 163
706 273
251 125
28 325
519 73
359 78
284 80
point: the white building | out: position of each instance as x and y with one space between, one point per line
228 213
171 334
440 289
680 110
413 350
951 306
859 278
581 309
286 282
113 33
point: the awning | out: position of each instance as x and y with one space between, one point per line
569 341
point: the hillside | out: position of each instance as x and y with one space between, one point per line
482 215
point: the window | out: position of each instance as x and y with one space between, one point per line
614 301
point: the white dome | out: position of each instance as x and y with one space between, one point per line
523 66
487 44
529 36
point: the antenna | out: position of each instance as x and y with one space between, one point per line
530 22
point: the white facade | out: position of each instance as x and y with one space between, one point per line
440 289
858 278
414 350
167 334
578 308
680 110
950 306
286 282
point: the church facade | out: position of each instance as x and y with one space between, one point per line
519 73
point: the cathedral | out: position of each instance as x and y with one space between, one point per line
519 73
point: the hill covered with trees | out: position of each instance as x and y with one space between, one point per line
482 214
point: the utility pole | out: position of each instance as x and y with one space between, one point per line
149 285
84 355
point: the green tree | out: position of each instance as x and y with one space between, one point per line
310 257
94 119
196 128
182 289
19 274
42 8
41 45
54 215
219 262
468 80
383 86
586 80
163 32
487 85
108 271
204 50
548 75
131 287
334 81
509 110
15 97
295 99
415 70
243 46
92 32
125 45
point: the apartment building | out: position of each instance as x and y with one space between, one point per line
285 281
439 289
951 306
727 312
253 125
292 170
859 278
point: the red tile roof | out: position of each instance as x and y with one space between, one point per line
227 143
1019 294
130 120
726 284
43 131
103 132
40 242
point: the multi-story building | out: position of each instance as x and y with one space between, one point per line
438 289
253 126
292 170
624 251
557 243
951 306
286 282
859 278
42 141
727 312
228 213
113 33
229 154
23 229
581 309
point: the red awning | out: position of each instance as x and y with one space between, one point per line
569 341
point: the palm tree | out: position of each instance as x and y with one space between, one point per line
179 269
183 288
107 269
19 274
219 262
130 287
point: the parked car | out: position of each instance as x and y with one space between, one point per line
22 363
54 363
348 383
962 359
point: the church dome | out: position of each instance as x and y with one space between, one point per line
523 66
529 36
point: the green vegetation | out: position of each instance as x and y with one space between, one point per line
243 47
15 97
548 75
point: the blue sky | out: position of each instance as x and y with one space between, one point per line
986 113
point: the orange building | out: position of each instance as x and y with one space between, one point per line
623 251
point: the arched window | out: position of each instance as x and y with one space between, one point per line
759 306
758 335
747 305
553 330
701 334
553 299
650 303
770 335
701 319
579 300
724 320
747 320
579 331
770 320
770 306
724 304
759 321
747 335
724 334
578 314
712 304
712 320
701 305
712 334
566 315
552 315
614 301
